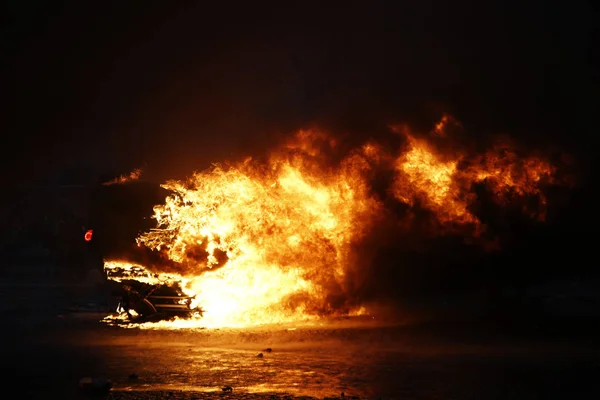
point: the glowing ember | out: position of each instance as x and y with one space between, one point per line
88 235
269 242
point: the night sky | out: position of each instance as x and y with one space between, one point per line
172 88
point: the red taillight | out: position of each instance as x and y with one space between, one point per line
88 235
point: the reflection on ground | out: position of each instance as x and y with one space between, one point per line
366 361
46 351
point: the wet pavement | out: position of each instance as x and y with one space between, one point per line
45 355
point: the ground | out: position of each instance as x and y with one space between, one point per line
48 349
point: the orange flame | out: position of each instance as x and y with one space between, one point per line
132 176
422 175
268 242
444 188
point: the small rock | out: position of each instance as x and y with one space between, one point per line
133 377
268 350
259 355
227 389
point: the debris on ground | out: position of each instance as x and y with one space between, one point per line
259 355
227 389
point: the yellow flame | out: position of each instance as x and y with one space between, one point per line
260 243
263 245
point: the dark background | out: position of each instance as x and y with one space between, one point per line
173 87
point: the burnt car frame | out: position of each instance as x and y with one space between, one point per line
144 302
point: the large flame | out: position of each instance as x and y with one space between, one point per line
273 241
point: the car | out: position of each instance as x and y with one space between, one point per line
118 214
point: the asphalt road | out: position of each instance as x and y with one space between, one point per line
47 350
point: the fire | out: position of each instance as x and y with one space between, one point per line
422 175
446 122
266 243
272 241
509 175
445 188
132 176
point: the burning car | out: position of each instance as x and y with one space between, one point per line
279 239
